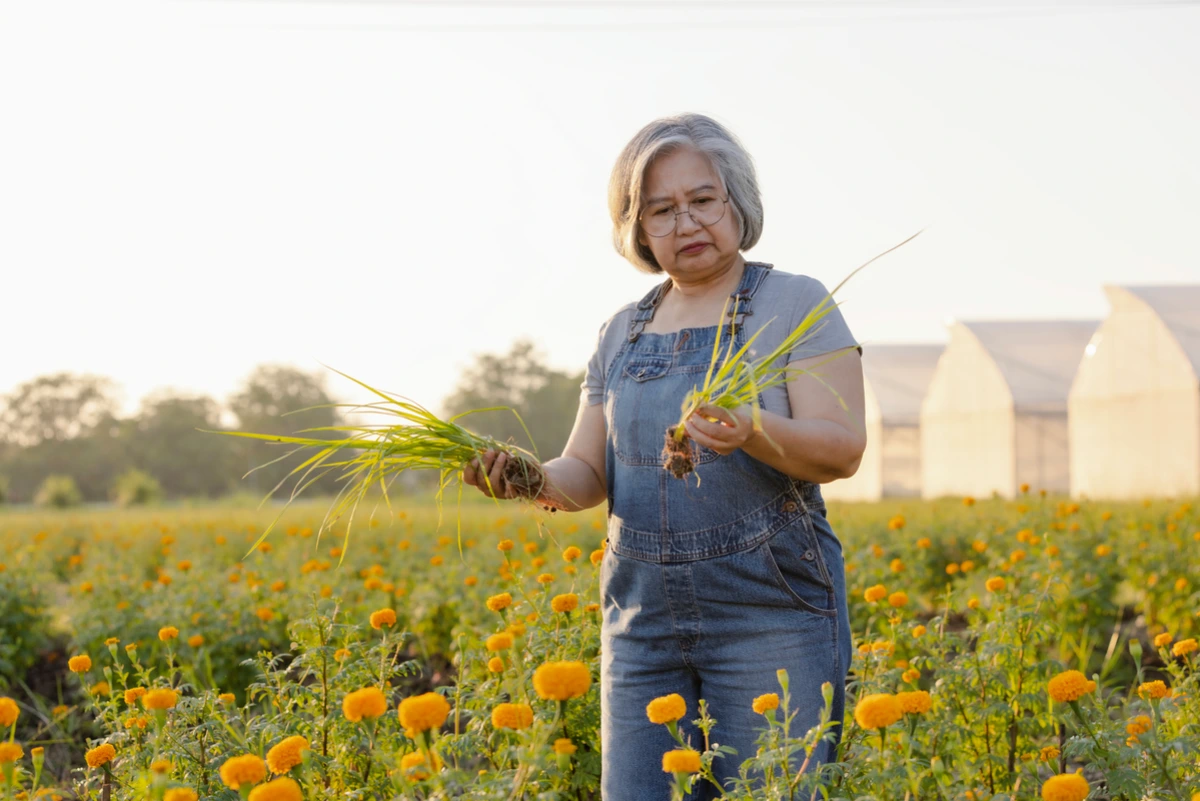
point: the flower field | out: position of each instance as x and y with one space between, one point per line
1024 649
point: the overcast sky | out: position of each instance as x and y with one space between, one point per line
188 189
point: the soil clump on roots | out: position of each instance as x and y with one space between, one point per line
677 455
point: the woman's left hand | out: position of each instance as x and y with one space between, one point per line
733 429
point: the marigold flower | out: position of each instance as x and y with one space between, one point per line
287 754
100 755
369 702
898 599
383 617
159 698
877 711
180 794
1065 787
167 633
505 545
512 716
264 614
498 602
545 578
1184 647
560 681
1070 685
966 566
563 745
10 752
924 543
896 523
951 569
592 608
9 712
1163 640
1103 550
765 703
137 722
80 664
424 712
912 675
666 709
160 766
572 553
918 631
100 688
499 641
1138 725
995 584
566 602
283 789
1048 754
916 702
596 556
875 593
196 640
245 769
973 603
1153 689
341 654
681 760
226 698
495 664
411 763
897 565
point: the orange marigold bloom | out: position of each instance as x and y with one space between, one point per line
592 608
159 698
666 709
898 599
924 543
226 698
1066 787
9 712
563 745
10 752
1153 689
1048 754
160 766
560 681
180 794
916 702
499 641
424 712
995 584
877 711
196 640
505 545
512 716
168 633
383 617
566 602
287 754
918 631
545 578
1184 647
264 614
80 664
1070 685
681 760
876 593
369 702
413 766
1138 725
341 654
596 556
245 769
498 602
765 703
495 664
100 755
572 553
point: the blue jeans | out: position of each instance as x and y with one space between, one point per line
706 589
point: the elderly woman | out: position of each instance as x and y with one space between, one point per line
707 588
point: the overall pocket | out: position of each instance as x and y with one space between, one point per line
799 569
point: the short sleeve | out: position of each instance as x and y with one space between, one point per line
592 388
830 333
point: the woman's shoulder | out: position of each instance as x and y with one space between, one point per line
790 288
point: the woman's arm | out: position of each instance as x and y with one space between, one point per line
574 480
821 442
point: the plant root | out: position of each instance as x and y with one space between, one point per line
678 457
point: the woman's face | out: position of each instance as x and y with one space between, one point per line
691 251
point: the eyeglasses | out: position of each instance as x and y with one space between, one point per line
660 219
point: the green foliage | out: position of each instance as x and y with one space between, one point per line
59 492
136 488
4 484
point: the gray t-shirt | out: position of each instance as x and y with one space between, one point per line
783 296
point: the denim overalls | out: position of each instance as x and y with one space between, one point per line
706 590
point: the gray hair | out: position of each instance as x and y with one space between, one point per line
666 135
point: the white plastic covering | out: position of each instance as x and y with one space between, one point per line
895 378
1135 402
995 415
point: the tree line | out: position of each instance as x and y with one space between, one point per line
64 429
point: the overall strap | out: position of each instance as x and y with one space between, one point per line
752 278
645 310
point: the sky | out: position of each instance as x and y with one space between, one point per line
190 188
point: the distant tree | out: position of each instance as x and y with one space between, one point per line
136 488
165 442
260 404
57 407
59 492
547 399
4 483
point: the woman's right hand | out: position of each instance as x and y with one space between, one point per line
492 466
